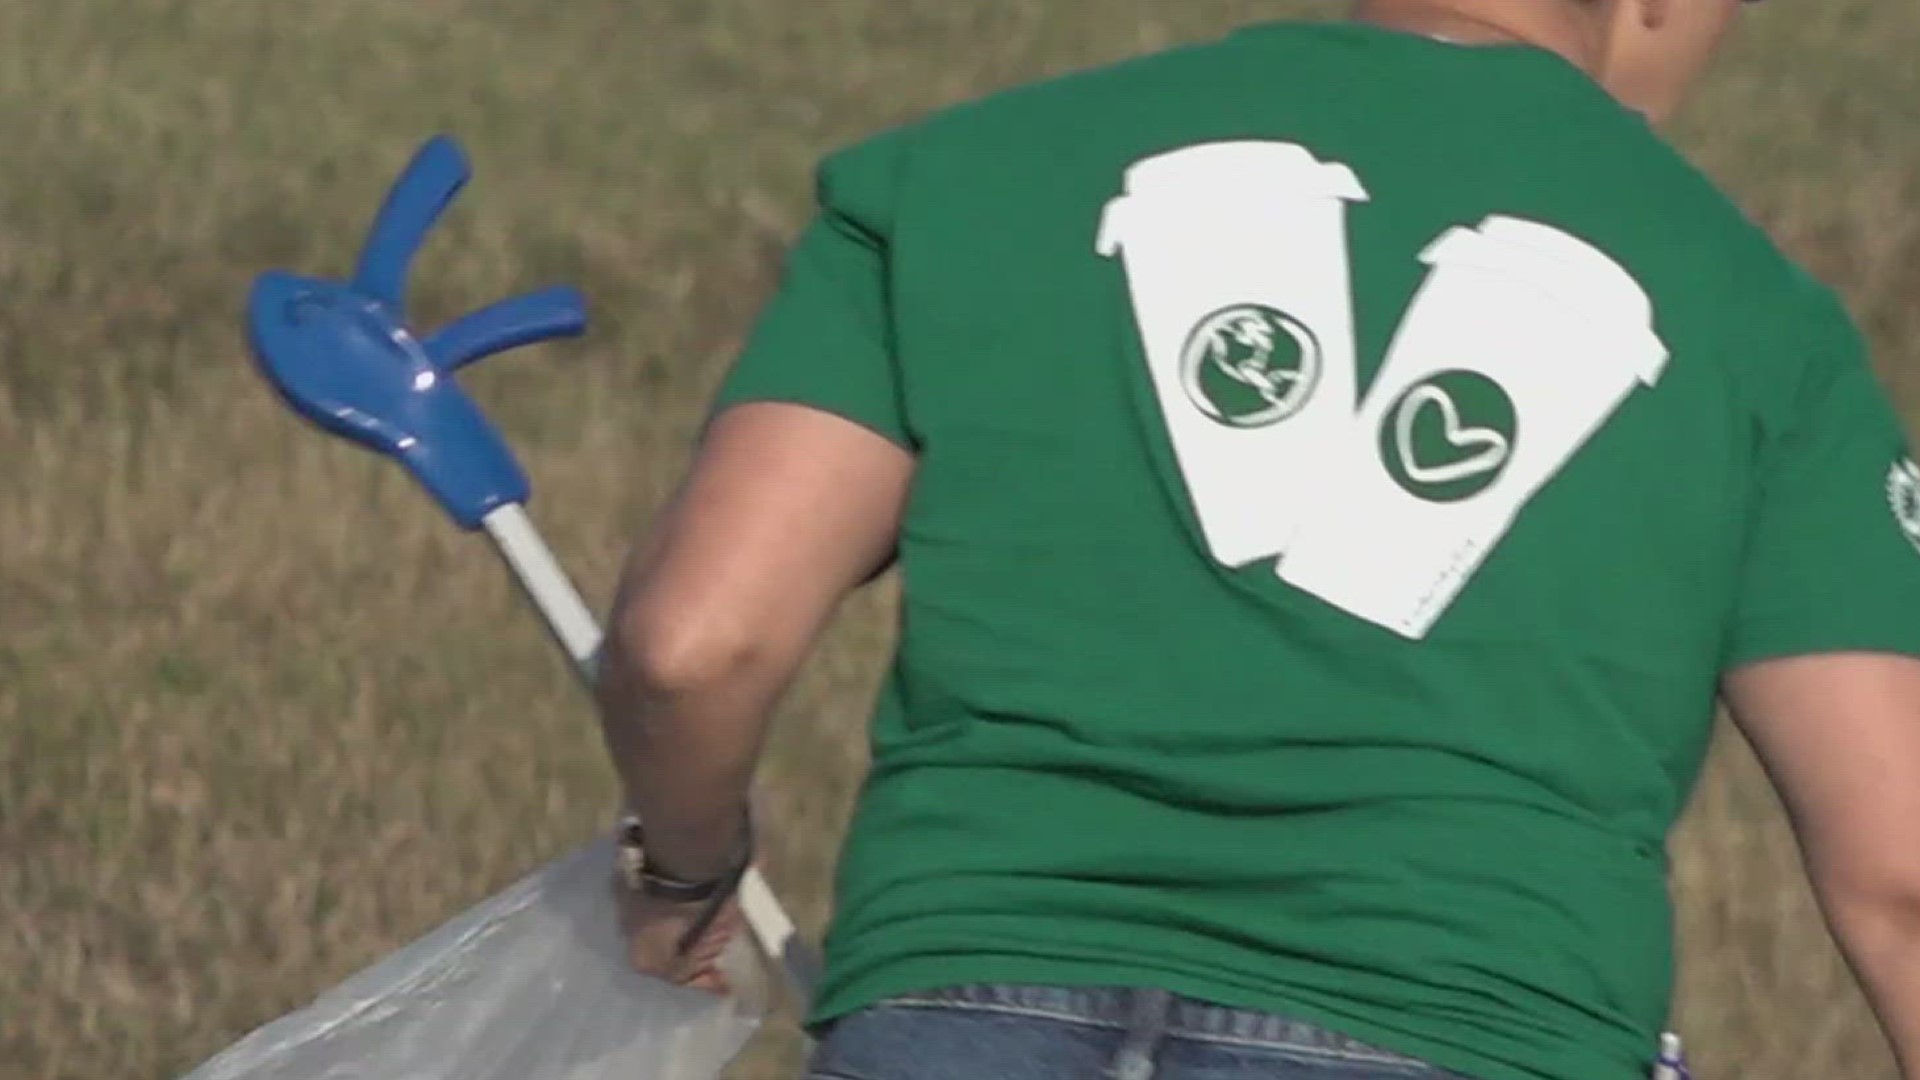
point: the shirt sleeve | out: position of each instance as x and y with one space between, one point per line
825 338
1832 560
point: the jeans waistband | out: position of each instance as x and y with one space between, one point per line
1126 1009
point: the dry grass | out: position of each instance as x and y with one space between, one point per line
266 716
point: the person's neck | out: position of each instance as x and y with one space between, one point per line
1470 22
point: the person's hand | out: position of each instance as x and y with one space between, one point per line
656 931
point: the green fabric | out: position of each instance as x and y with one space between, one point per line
1321 560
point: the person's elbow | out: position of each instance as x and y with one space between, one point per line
665 651
1873 900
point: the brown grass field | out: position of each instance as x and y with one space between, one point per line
266 716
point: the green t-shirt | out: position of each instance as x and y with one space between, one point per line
1346 465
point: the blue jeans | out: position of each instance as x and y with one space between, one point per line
1052 1033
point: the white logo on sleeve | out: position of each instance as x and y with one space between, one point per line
1903 496
1521 344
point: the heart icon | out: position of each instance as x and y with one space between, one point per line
1483 450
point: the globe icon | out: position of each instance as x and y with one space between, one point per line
1250 366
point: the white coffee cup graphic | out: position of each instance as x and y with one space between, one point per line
1521 344
1236 260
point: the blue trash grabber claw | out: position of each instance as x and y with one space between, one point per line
342 355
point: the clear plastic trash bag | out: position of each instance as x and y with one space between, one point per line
531 984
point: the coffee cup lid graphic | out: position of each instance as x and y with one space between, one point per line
1228 178
1572 273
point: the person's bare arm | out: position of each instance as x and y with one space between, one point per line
785 511
1840 736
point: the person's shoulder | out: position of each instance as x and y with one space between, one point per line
863 178
1783 322
1764 279
1782 298
1074 93
1067 97
1753 258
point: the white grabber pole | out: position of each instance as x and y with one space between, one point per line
342 355
578 634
